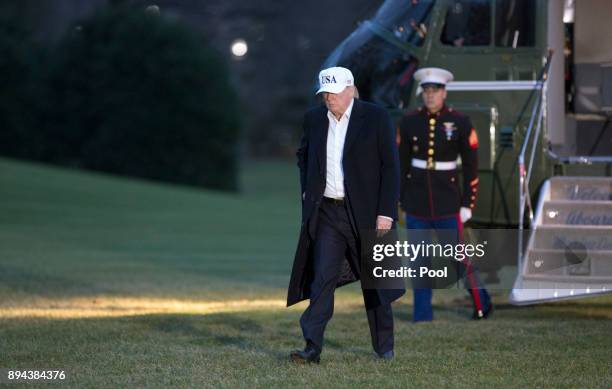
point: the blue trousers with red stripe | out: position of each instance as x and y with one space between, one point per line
423 310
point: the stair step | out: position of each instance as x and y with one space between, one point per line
527 292
571 212
573 237
566 265
581 188
570 247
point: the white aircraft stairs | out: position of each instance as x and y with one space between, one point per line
569 249
569 241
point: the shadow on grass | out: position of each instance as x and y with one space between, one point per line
461 310
250 337
216 330
269 334
447 311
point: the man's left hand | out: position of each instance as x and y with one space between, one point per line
383 224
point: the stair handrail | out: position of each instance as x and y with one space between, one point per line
531 137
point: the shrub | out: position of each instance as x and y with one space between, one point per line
19 60
133 93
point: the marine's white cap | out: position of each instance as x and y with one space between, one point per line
435 76
334 80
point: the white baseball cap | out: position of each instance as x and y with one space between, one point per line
435 76
334 80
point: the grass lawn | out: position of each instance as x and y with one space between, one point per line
129 283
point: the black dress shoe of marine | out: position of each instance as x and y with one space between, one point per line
309 355
386 355
479 315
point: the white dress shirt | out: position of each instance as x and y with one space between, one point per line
336 135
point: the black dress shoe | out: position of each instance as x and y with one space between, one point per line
309 355
479 315
386 355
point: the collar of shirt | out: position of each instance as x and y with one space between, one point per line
346 113
437 114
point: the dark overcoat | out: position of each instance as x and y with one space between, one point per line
370 164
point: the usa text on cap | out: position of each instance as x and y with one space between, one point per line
334 80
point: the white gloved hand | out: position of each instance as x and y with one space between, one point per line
465 214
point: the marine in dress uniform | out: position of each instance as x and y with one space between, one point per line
431 138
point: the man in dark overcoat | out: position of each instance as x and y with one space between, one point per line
349 176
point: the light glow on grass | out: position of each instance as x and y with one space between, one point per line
72 308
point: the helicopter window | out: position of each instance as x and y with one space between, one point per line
468 23
515 23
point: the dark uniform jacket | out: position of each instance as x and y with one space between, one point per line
371 186
443 136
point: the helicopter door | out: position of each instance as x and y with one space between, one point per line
489 40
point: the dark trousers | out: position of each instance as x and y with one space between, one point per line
334 240
423 310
